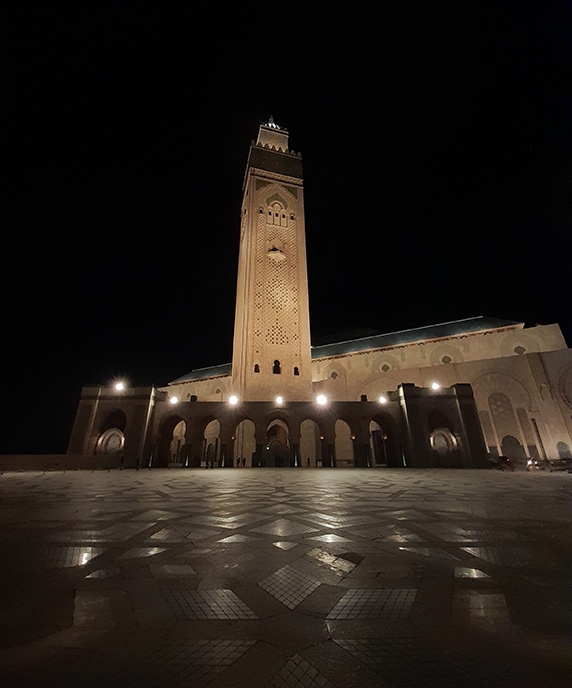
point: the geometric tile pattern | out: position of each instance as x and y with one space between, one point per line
375 604
408 662
207 604
165 577
186 663
289 586
298 673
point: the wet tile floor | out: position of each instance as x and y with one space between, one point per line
294 578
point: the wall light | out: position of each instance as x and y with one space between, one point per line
173 400
435 385
382 399
322 399
119 386
279 401
233 400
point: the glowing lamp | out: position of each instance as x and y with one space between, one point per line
233 400
382 399
279 401
435 385
322 399
119 386
173 400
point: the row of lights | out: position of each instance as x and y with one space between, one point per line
321 399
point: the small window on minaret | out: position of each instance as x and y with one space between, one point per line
276 368
256 368
296 371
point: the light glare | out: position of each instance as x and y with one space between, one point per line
279 401
173 400
435 385
322 399
119 386
382 399
233 400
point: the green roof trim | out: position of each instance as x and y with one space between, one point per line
455 328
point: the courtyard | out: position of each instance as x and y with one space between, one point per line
286 577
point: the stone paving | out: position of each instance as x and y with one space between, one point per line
286 578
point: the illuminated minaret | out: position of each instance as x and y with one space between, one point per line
271 355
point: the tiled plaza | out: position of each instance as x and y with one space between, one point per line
287 578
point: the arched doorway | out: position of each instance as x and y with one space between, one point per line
511 447
385 450
211 453
111 439
177 449
277 444
244 443
310 443
171 444
344 444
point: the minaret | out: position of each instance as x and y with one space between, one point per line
271 355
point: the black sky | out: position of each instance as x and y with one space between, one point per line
436 144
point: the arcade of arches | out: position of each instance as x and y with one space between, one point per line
275 442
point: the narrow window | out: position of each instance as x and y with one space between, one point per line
276 368
256 368
296 371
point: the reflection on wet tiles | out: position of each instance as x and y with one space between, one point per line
207 604
285 545
238 538
430 552
106 573
384 603
64 557
283 527
289 586
299 673
141 552
83 536
167 535
464 572
329 537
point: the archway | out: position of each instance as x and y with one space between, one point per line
385 450
211 453
310 443
111 438
511 447
277 444
244 443
170 447
177 449
344 444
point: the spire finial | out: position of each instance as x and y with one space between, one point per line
272 123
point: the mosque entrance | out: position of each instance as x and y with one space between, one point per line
112 434
171 448
384 449
277 445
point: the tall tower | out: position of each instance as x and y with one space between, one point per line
271 355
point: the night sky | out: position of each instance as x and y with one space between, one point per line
437 152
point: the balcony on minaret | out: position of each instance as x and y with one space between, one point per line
272 135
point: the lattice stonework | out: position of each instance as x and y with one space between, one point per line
276 306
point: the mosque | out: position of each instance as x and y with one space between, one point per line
447 395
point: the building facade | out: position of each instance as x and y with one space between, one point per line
451 394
